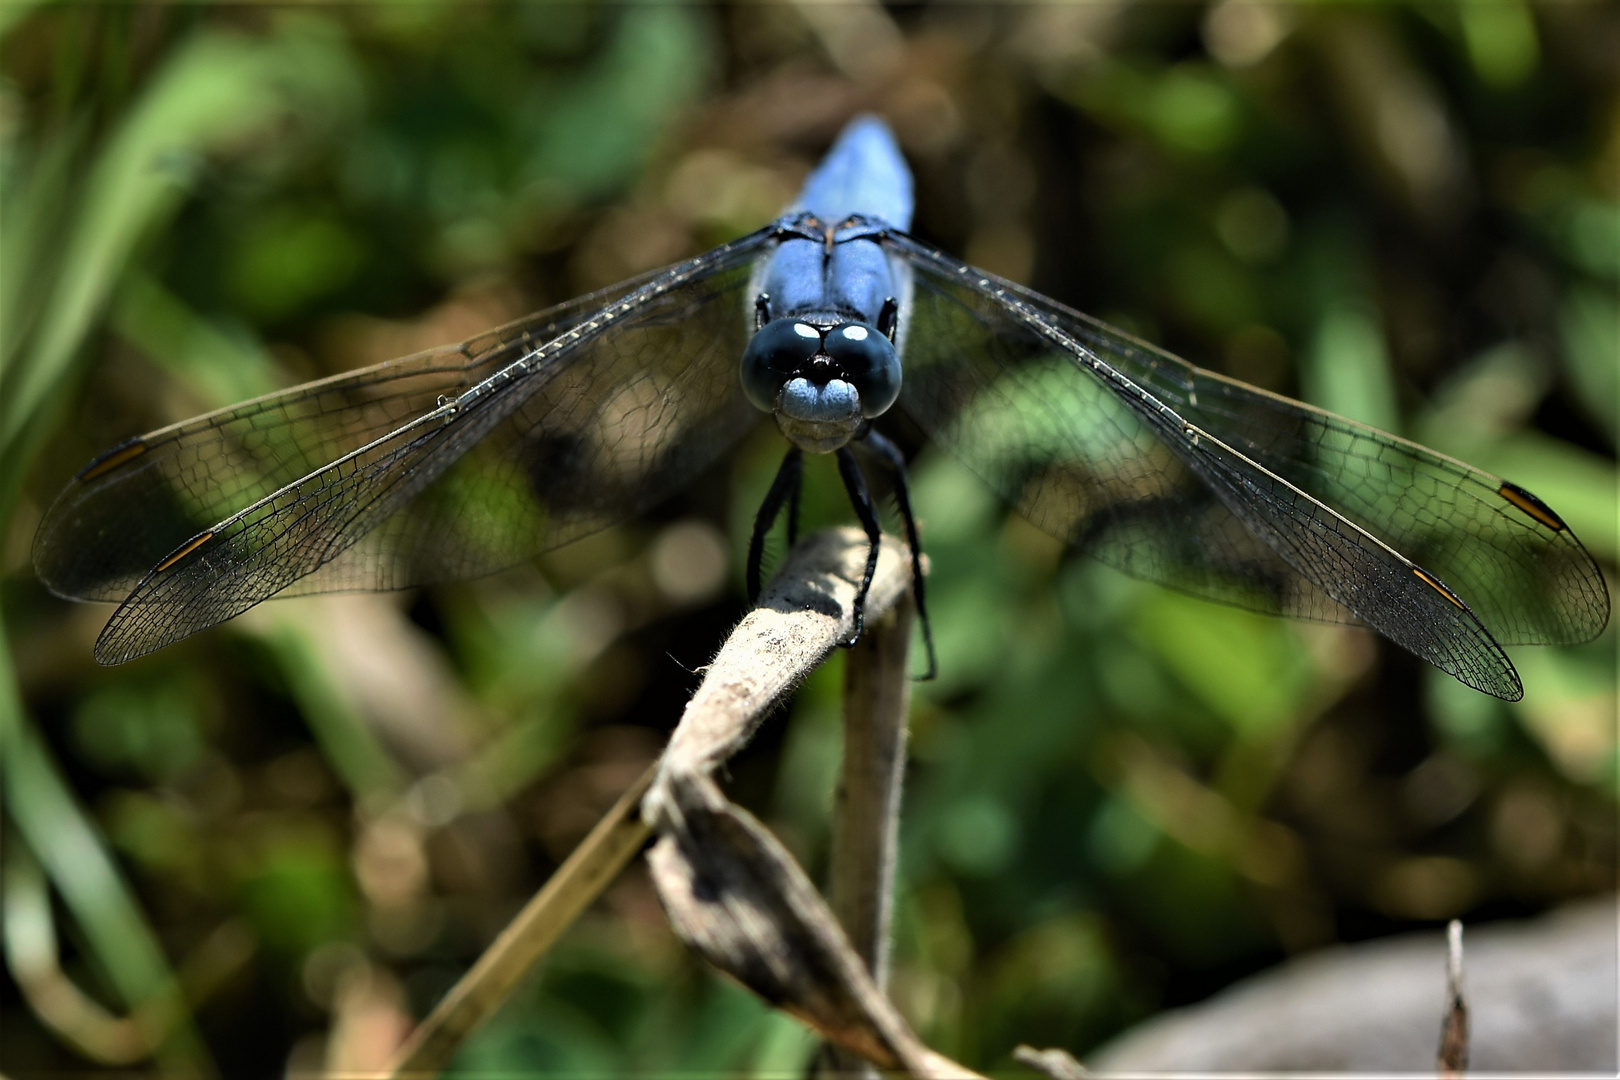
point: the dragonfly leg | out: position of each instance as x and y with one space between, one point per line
855 484
793 506
891 456
787 480
888 317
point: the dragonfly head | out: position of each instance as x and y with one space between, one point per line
820 381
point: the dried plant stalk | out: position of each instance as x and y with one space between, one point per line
589 869
801 617
866 813
1452 1058
731 890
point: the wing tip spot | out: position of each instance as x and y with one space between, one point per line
185 549
1531 505
1440 587
113 458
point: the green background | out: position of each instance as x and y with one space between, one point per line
293 832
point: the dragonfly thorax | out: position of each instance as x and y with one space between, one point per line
821 379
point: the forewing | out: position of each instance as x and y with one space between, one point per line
135 504
1515 562
589 427
1104 464
1070 454
611 428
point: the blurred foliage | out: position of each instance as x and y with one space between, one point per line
264 848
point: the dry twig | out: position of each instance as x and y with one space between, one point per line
1453 1055
588 870
866 813
733 892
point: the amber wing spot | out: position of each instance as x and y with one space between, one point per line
112 459
1531 505
1439 586
186 549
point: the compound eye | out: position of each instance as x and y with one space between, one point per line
869 362
774 355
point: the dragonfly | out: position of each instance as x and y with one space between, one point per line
461 461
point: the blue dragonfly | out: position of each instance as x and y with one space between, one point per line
464 460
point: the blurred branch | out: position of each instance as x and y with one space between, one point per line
589 869
1453 1056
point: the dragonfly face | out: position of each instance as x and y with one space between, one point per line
468 459
820 381
823 355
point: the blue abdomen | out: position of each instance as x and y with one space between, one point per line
862 174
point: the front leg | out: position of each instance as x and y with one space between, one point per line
793 507
855 484
787 482
896 462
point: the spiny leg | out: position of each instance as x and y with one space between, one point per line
787 480
793 506
855 484
891 455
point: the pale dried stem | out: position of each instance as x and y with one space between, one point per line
730 888
801 617
866 813
590 868
1452 1057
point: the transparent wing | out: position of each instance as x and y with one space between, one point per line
1207 485
1507 554
446 465
135 504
